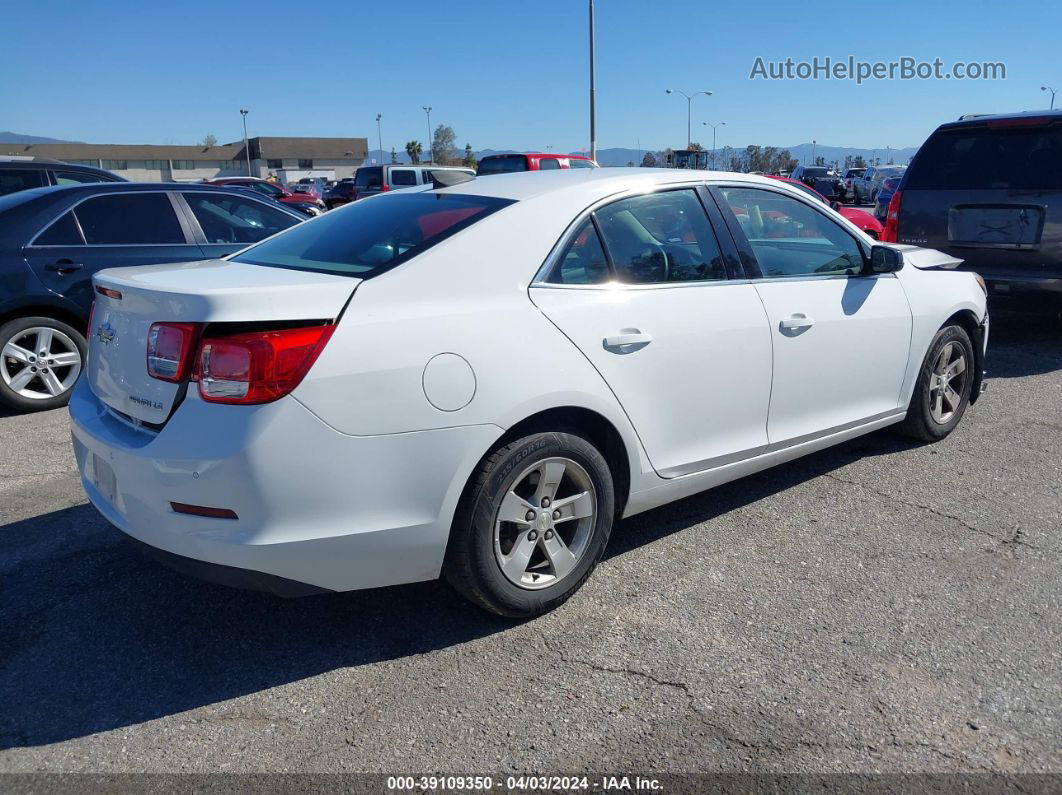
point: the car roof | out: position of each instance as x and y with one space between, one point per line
977 120
522 185
124 187
41 164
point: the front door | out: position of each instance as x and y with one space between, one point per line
642 290
841 339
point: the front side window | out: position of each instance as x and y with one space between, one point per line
403 176
129 219
225 218
577 162
660 237
63 232
548 163
367 238
789 238
16 179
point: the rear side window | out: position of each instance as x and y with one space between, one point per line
226 218
371 177
584 261
367 238
129 219
63 232
979 158
78 178
403 176
548 163
16 179
502 164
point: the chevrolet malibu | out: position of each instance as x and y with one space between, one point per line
479 379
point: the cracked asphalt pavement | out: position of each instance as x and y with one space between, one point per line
881 606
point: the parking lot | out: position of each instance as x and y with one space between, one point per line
878 606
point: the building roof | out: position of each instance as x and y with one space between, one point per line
262 147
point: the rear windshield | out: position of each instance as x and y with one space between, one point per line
369 237
979 158
369 177
815 172
502 164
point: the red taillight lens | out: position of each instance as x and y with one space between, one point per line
892 220
169 350
258 366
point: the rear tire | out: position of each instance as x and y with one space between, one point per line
532 524
942 392
30 381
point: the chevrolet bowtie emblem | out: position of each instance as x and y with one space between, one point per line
105 334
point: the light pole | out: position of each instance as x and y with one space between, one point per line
427 111
814 143
689 110
713 126
593 121
246 145
1048 88
379 135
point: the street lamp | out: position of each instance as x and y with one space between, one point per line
246 146
379 135
713 126
593 97
427 111
1048 88
689 110
814 143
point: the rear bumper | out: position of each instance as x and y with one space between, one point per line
1004 284
314 506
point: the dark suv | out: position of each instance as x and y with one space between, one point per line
16 175
52 241
988 190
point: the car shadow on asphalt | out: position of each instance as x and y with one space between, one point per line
95 635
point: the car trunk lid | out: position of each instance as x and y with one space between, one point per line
130 300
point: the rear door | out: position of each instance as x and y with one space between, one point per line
223 223
840 339
642 288
107 231
990 195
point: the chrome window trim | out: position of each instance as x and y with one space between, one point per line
539 279
84 199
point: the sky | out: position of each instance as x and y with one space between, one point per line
509 74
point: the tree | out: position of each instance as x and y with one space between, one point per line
470 158
649 161
859 162
442 145
209 141
394 155
413 149
820 161
696 147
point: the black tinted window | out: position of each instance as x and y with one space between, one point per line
369 177
577 163
367 238
584 260
63 232
661 237
548 163
129 218
78 178
16 179
403 176
502 164
232 219
976 158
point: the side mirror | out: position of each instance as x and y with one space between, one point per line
885 260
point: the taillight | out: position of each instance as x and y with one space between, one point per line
169 350
385 186
257 366
892 220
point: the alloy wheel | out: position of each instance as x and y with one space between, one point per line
545 522
947 383
40 363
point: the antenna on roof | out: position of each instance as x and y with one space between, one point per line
446 179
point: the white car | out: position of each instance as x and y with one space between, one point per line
480 380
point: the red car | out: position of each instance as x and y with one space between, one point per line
864 220
531 161
271 189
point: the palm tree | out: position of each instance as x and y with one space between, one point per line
413 149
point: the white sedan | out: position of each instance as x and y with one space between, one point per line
479 380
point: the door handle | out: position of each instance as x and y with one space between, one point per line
797 320
63 266
628 337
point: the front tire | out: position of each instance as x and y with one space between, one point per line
532 524
40 360
942 392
